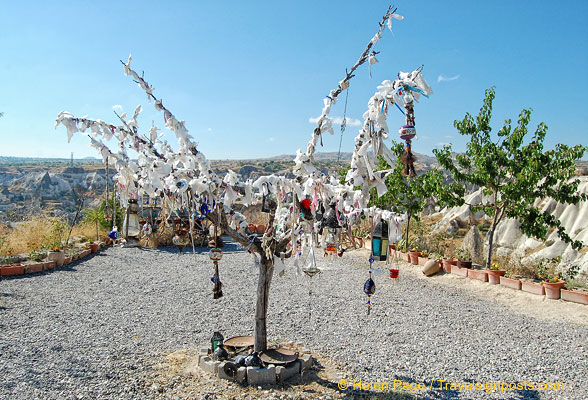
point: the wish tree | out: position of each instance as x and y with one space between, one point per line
185 181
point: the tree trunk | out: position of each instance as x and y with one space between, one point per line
127 220
408 223
495 223
266 272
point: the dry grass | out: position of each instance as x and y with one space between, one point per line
88 232
41 232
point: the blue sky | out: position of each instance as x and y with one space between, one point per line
247 76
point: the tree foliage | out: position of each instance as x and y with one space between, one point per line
103 215
515 172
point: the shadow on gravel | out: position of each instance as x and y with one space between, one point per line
312 376
441 390
230 246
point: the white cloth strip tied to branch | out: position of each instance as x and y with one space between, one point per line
161 170
408 86
303 161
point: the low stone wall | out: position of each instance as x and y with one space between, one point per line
255 376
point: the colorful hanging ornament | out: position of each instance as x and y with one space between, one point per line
380 241
369 287
407 133
305 212
113 234
216 255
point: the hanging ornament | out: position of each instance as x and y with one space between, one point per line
380 241
407 133
369 287
305 212
113 234
311 269
216 255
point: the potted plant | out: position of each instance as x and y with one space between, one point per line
94 247
571 292
413 255
574 295
494 274
447 263
423 257
56 255
464 258
553 287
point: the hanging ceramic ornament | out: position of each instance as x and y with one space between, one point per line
369 287
407 132
216 255
113 234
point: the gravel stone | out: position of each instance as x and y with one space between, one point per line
94 328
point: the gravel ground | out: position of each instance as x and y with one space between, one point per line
95 330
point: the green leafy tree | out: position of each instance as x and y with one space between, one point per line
405 195
102 215
514 173
94 216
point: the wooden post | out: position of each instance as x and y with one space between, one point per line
127 226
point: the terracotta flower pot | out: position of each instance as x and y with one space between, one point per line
414 257
553 289
510 283
478 274
533 287
33 268
49 265
447 265
494 276
457 270
423 260
56 256
94 247
575 296
252 228
261 229
11 270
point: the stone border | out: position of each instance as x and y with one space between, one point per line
9 270
569 296
255 376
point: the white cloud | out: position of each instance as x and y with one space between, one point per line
443 78
117 107
271 139
209 129
339 121
447 136
441 144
